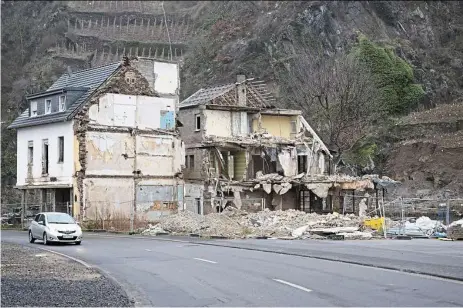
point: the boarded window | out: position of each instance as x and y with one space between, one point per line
62 103
30 152
48 106
45 156
60 149
197 122
191 161
33 109
167 119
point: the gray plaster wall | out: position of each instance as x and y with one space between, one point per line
187 132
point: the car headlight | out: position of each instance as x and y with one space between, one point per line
53 231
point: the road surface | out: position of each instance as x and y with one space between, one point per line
166 273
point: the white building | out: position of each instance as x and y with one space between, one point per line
101 143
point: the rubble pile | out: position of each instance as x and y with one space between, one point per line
455 230
235 223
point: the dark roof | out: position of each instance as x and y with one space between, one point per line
86 81
257 95
204 95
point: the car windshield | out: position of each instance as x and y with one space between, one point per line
60 219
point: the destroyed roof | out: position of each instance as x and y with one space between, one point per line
257 96
85 80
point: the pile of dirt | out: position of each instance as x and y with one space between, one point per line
235 223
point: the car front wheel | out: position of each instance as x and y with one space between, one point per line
31 237
45 239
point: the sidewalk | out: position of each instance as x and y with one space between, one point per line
34 277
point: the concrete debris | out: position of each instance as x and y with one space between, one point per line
356 235
235 223
320 189
423 227
267 188
154 230
455 230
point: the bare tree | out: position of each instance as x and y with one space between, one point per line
338 96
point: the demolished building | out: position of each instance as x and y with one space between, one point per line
243 151
101 143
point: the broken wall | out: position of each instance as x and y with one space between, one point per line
194 198
162 76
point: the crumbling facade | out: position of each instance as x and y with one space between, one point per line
241 150
108 140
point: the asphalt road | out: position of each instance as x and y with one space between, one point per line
165 273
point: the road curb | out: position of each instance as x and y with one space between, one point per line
101 271
281 252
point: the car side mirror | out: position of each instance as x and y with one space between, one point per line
40 223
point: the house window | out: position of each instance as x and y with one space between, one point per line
33 109
45 156
47 106
60 149
198 206
301 163
293 127
191 161
62 103
30 152
197 122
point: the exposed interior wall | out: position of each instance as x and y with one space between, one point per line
61 172
162 76
109 153
144 112
158 155
107 197
218 123
116 143
276 125
157 198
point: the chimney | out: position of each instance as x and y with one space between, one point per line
241 88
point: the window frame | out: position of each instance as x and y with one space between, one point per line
197 117
61 149
46 106
45 163
30 153
34 108
191 161
62 103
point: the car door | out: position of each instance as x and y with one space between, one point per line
41 226
34 225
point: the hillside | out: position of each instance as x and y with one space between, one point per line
282 42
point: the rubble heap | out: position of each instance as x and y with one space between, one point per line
455 230
235 223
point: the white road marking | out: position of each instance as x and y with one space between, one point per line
148 249
204 260
66 256
292 285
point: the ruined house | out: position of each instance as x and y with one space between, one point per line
101 142
241 150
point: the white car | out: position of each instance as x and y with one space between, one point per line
55 227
